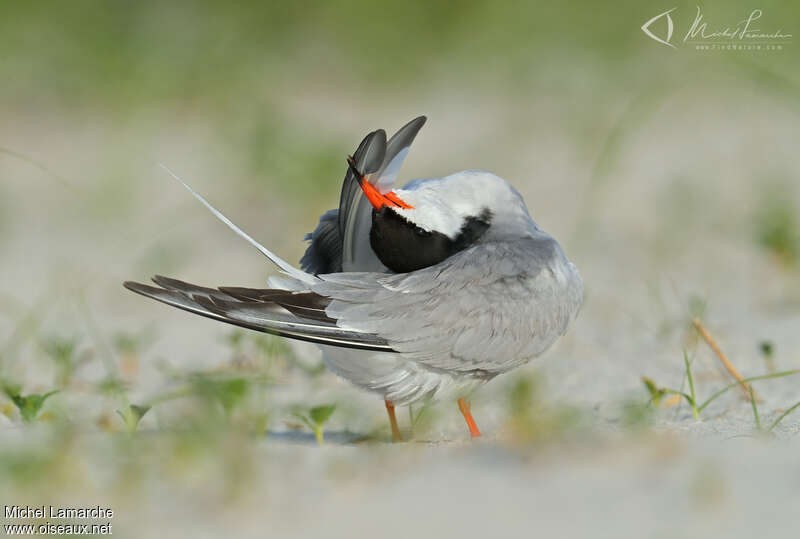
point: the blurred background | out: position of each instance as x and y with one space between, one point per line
669 175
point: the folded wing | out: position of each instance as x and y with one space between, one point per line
484 310
279 312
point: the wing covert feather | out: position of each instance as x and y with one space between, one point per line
489 308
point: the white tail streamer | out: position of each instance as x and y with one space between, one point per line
285 267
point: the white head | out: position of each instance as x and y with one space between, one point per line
429 220
446 204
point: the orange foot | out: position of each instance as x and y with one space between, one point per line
463 405
393 421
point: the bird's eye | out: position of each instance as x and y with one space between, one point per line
420 231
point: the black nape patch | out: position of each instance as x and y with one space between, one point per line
472 229
402 246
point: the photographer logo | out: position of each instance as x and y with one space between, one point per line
745 34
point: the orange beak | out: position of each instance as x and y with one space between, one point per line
375 197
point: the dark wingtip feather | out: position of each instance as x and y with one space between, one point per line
418 121
188 289
241 293
174 284
139 288
266 316
302 304
370 154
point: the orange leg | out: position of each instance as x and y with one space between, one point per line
463 405
393 421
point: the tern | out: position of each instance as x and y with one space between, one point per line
422 292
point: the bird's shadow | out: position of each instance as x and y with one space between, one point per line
337 437
348 437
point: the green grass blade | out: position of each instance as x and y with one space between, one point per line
755 408
689 373
693 402
746 380
43 168
784 414
686 396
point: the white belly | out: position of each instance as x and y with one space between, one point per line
395 379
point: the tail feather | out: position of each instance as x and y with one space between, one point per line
287 268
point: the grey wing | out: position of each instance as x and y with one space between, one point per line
324 252
357 254
354 210
396 151
288 314
336 232
486 309
341 240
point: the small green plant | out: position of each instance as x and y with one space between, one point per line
132 415
111 386
532 418
29 405
316 418
635 415
271 349
420 418
66 355
776 227
127 343
129 347
228 392
235 340
656 393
